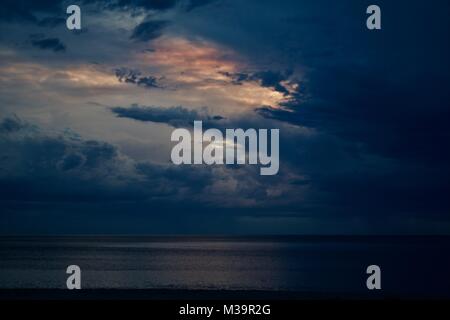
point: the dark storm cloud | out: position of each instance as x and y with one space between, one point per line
64 174
41 167
379 104
53 44
173 116
148 30
386 91
179 176
11 125
58 172
406 121
393 101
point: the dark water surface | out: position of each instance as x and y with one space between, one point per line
417 266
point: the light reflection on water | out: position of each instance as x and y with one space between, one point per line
328 265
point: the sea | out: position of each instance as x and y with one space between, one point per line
410 266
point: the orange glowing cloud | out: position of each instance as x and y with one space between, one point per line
74 76
201 67
198 59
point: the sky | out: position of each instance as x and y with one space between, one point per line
86 116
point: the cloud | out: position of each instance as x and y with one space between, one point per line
51 22
192 4
12 124
59 182
403 121
53 44
134 76
148 30
61 167
268 79
156 5
148 4
22 10
173 116
363 135
272 79
60 172
376 148
152 28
